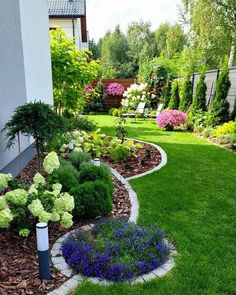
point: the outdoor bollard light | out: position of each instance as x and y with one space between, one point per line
71 146
97 162
43 251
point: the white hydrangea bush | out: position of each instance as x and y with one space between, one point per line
46 205
135 94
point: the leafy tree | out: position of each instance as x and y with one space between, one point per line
35 119
161 37
175 41
115 53
186 94
155 73
72 70
95 49
199 100
219 111
213 24
141 42
175 99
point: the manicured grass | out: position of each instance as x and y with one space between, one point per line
193 199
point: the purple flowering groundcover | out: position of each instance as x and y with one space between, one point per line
116 250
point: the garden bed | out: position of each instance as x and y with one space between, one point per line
18 261
146 159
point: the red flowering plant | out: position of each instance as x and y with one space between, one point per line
115 89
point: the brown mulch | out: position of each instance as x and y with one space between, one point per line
146 159
18 257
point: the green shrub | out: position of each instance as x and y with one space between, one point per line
56 142
232 141
174 101
111 111
92 199
35 119
199 100
67 175
78 158
226 128
90 172
116 113
186 95
208 132
219 111
224 139
80 123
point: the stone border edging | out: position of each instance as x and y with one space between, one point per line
60 263
162 163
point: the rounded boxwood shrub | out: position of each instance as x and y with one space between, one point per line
116 250
111 111
92 199
90 172
78 158
67 175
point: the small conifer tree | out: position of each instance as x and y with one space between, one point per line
199 100
167 92
186 95
174 101
219 111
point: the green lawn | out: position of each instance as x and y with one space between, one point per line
193 199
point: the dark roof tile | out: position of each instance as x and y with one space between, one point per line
66 8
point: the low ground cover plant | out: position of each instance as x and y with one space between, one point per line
169 119
116 250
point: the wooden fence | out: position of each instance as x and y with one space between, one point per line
114 101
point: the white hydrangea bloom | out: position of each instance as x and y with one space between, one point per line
51 162
17 197
4 178
39 179
36 207
5 218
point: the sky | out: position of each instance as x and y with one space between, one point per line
104 15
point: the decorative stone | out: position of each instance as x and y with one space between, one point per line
169 264
58 260
56 246
160 272
71 284
86 227
78 278
149 276
137 280
56 253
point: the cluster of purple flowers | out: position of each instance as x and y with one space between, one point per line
171 118
116 250
115 89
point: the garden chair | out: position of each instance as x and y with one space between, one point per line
159 109
139 111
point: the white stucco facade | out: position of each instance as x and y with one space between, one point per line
67 25
25 65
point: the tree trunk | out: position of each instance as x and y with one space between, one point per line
232 53
38 154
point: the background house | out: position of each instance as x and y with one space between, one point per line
71 16
25 71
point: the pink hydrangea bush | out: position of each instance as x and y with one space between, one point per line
169 119
115 89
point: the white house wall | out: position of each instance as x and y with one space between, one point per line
67 25
25 69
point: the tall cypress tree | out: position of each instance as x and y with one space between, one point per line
167 92
199 100
219 111
174 101
186 95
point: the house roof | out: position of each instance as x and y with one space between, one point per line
66 8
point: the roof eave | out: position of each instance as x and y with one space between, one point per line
67 16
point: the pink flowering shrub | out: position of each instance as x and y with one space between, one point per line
169 119
115 89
